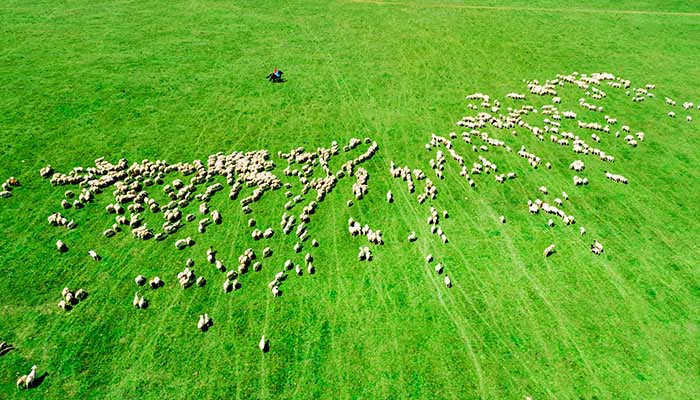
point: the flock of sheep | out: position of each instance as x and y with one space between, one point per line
133 186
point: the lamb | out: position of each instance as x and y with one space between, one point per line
549 250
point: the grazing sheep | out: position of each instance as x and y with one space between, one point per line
201 281
81 294
438 268
582 230
31 377
550 223
263 344
429 258
502 219
549 250
61 246
412 237
596 247
448 282
155 283
389 197
94 255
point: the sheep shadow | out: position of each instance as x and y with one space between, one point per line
6 350
38 381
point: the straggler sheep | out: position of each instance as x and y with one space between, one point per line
61 246
438 268
549 250
582 230
94 255
429 258
448 282
263 344
502 219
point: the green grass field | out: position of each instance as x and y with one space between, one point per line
180 81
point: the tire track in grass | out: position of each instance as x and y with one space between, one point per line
541 293
460 325
527 9
465 296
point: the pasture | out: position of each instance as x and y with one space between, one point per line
180 82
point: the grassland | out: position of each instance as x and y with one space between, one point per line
83 79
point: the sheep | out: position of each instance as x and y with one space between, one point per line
412 237
389 197
204 322
448 282
267 252
429 258
64 306
314 243
549 250
31 377
438 268
543 189
596 247
140 280
263 344
155 283
81 294
298 270
582 231
502 219
276 291
565 196
62 248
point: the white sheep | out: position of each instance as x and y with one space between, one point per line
94 255
549 250
448 282
263 344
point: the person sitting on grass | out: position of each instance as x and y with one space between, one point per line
275 76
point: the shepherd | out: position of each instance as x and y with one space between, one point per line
275 76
